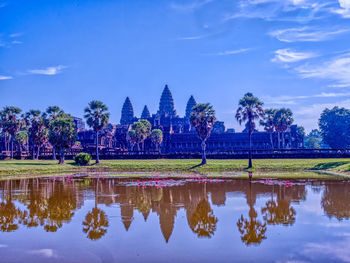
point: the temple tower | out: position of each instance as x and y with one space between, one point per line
190 103
166 104
127 113
145 113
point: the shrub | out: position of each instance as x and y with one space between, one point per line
82 158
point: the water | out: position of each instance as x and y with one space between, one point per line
194 220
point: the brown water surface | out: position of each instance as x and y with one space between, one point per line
78 219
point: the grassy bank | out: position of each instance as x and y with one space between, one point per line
18 168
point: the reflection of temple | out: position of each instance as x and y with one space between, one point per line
51 204
178 135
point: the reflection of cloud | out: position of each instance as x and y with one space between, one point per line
337 250
3 245
45 252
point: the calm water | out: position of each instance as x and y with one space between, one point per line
194 220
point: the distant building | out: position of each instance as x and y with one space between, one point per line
178 134
79 123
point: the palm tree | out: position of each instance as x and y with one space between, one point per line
11 123
283 120
97 118
22 139
249 110
268 123
202 119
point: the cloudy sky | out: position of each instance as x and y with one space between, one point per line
292 53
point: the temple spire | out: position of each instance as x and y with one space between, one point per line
190 103
127 112
145 113
166 104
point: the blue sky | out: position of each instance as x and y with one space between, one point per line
292 53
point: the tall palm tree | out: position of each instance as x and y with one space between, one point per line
268 123
202 119
97 118
283 120
249 110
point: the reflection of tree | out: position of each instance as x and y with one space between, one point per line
95 224
203 221
335 200
252 230
280 213
9 216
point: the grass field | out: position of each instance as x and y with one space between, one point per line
18 168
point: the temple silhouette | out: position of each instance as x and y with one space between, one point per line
178 135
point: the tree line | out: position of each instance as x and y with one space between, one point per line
35 128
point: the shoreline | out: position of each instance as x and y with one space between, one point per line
274 168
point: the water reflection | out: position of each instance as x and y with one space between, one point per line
50 204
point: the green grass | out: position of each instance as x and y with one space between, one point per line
16 168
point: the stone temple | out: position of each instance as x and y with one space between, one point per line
178 135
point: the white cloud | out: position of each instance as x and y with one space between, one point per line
336 70
306 34
3 245
16 42
47 71
229 52
45 252
344 4
193 37
289 56
291 100
278 10
2 77
15 35
190 6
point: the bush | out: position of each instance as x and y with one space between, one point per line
82 158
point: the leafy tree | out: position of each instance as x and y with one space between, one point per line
283 120
138 132
314 140
249 110
22 139
334 126
203 119
52 113
11 123
268 123
37 130
157 138
62 132
97 118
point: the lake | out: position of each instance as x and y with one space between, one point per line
109 219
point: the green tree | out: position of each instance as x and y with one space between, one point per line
157 138
37 130
52 113
62 132
268 123
283 120
202 119
22 139
138 132
249 110
334 126
97 117
314 140
11 123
